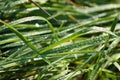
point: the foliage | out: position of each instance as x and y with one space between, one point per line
59 40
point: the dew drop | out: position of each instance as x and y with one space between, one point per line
37 25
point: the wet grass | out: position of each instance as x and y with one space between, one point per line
59 40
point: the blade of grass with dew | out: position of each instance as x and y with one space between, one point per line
26 41
95 40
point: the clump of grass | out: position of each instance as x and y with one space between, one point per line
73 41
